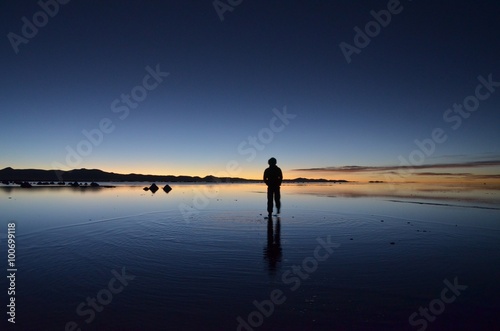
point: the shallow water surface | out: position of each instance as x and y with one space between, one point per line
204 257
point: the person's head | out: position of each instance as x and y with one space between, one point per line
272 161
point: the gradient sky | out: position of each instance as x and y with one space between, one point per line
352 120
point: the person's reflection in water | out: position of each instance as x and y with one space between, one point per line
272 251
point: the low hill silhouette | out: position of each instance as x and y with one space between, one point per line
96 175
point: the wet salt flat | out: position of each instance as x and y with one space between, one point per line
203 257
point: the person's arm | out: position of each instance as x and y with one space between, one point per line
281 177
266 177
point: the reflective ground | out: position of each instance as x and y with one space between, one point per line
204 257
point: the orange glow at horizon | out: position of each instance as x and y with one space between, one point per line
482 175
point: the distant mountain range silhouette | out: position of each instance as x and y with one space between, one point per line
97 175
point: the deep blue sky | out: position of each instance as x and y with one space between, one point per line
226 77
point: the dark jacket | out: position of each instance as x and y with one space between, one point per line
273 176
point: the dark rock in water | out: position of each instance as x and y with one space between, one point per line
167 188
75 184
94 184
146 188
393 243
61 183
25 185
5 182
153 188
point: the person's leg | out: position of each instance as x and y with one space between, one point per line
277 198
269 199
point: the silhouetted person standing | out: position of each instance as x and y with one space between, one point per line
273 177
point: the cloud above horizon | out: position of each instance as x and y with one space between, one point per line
395 168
